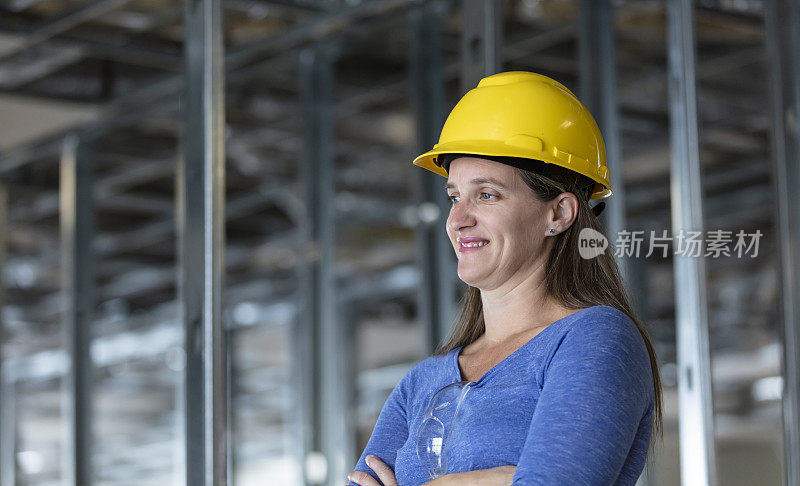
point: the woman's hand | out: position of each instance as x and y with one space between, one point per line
496 476
384 472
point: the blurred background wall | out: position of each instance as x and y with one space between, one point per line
324 271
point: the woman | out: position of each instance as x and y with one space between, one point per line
548 376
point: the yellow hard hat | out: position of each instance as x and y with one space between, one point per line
526 115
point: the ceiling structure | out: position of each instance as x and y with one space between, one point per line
112 70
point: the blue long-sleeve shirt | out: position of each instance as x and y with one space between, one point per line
573 406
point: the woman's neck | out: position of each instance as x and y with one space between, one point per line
523 307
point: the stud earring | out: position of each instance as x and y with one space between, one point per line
552 231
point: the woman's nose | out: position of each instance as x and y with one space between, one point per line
461 216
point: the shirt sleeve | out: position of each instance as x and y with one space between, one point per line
390 431
597 387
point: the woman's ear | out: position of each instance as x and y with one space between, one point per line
565 209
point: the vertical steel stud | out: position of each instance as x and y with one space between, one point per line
782 28
201 239
331 386
481 40
696 424
77 281
306 363
8 422
598 92
435 257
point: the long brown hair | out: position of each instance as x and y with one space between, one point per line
574 282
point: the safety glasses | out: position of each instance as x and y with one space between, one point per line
438 424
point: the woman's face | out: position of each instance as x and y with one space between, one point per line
497 227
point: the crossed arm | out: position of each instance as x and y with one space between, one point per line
497 476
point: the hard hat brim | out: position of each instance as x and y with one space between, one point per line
494 148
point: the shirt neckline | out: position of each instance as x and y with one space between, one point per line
457 351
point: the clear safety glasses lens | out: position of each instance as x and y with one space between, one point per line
439 421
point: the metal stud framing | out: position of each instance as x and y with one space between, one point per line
77 271
328 422
201 204
435 258
8 433
307 363
782 27
201 240
598 91
696 425
481 40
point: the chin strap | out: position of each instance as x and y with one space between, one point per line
598 208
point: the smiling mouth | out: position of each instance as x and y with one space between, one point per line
475 244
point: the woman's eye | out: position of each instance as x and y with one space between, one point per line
486 196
